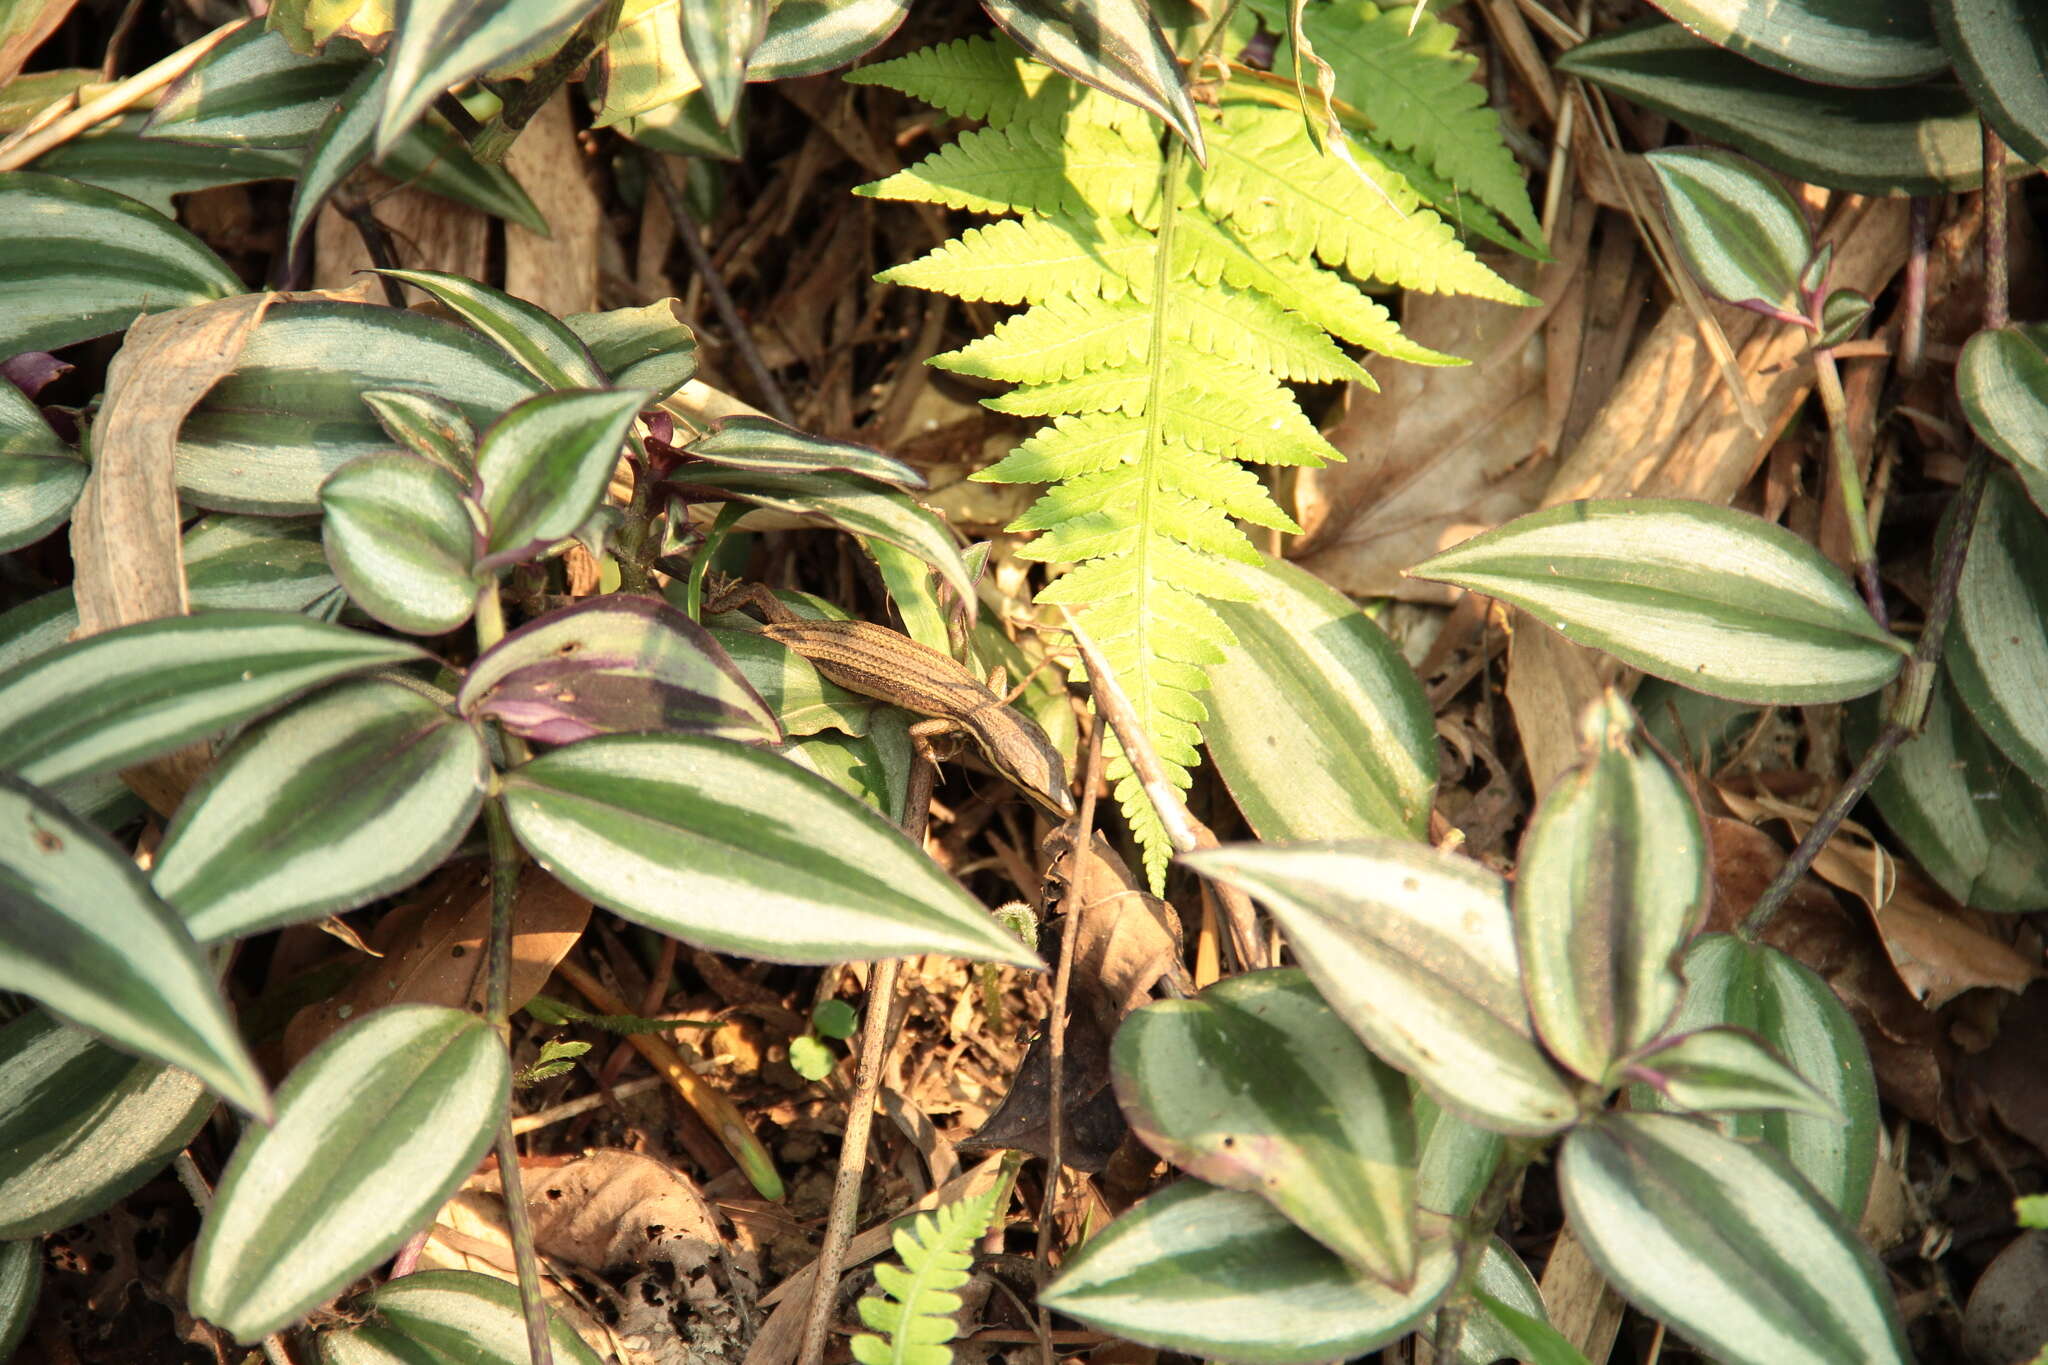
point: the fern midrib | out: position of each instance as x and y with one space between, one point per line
1155 414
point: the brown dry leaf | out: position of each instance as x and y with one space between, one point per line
427 232
611 1208
434 950
125 531
2006 1076
1550 683
557 272
1671 428
470 1233
25 37
1438 455
1127 940
1938 953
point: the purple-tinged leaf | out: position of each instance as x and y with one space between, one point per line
748 442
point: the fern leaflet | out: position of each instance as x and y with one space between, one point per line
914 1311
1169 308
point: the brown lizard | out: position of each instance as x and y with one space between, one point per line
881 663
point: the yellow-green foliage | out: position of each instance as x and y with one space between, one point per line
1170 306
915 1318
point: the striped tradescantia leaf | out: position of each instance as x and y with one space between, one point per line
1998 645
446 1315
81 931
130 694
254 91
640 348
743 441
740 852
1256 1085
1998 47
1317 724
1746 985
401 533
1719 600
545 345
1221 1274
21 1280
614 664
443 43
265 438
40 476
543 468
1723 1240
1832 42
1416 950
346 797
1611 882
1737 226
2002 379
115 157
82 1125
78 262
374 1130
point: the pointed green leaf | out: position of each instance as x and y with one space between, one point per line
546 346
118 698
78 262
1416 950
1256 1085
843 500
1998 644
448 1315
1523 1333
339 144
1970 818
40 476
1611 882
254 91
1317 724
1919 139
1457 1158
719 36
442 43
83 1125
374 1131
81 931
641 348
806 37
1737 226
1999 48
259 563
115 156
266 437
1748 986
1723 1240
1718 600
613 664
346 797
740 852
1221 1274
744 441
2002 379
401 534
427 426
1114 45
1720 1068
545 465
21 1281
1501 1277
1833 42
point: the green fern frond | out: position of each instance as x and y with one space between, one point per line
914 1312
1421 95
1169 307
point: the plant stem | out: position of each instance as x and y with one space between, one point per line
505 862
1477 1230
1849 481
1909 703
497 137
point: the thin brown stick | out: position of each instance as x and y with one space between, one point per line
876 1033
714 285
1056 1033
18 151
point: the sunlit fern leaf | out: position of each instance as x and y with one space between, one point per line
914 1313
1420 95
1164 376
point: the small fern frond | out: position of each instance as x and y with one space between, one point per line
1421 95
913 1315
1286 199
1169 308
